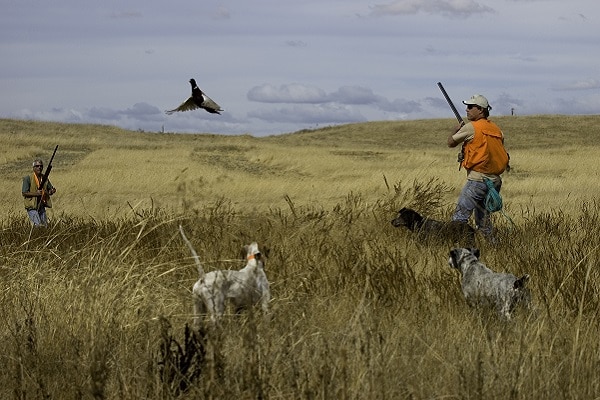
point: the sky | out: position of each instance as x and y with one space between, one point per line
280 66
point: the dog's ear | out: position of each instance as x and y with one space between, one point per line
454 257
244 252
521 282
475 251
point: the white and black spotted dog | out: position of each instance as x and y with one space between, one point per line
483 287
459 232
242 288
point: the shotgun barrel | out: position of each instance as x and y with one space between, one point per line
461 121
48 169
454 110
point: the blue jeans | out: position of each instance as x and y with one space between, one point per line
38 217
472 200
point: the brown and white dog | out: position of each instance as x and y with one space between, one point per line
242 288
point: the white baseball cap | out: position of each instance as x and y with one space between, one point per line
478 100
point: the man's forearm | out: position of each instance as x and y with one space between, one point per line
451 141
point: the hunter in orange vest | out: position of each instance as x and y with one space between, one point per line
36 199
483 157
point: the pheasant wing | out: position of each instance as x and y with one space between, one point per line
187 105
209 105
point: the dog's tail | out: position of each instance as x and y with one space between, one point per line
521 282
194 254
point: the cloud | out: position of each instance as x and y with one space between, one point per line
506 104
357 95
292 93
103 113
354 95
452 8
54 114
140 110
222 13
523 57
586 84
401 106
337 105
125 15
295 43
436 102
345 96
143 112
134 116
305 113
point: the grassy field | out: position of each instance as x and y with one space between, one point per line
100 171
97 305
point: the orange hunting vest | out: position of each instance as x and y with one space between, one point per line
485 153
32 202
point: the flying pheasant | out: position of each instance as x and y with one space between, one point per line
197 100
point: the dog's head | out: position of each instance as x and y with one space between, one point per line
252 254
462 255
250 251
408 218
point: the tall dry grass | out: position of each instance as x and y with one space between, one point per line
96 306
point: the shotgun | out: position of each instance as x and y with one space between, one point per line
461 121
45 177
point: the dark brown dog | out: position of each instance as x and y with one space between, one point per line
459 232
